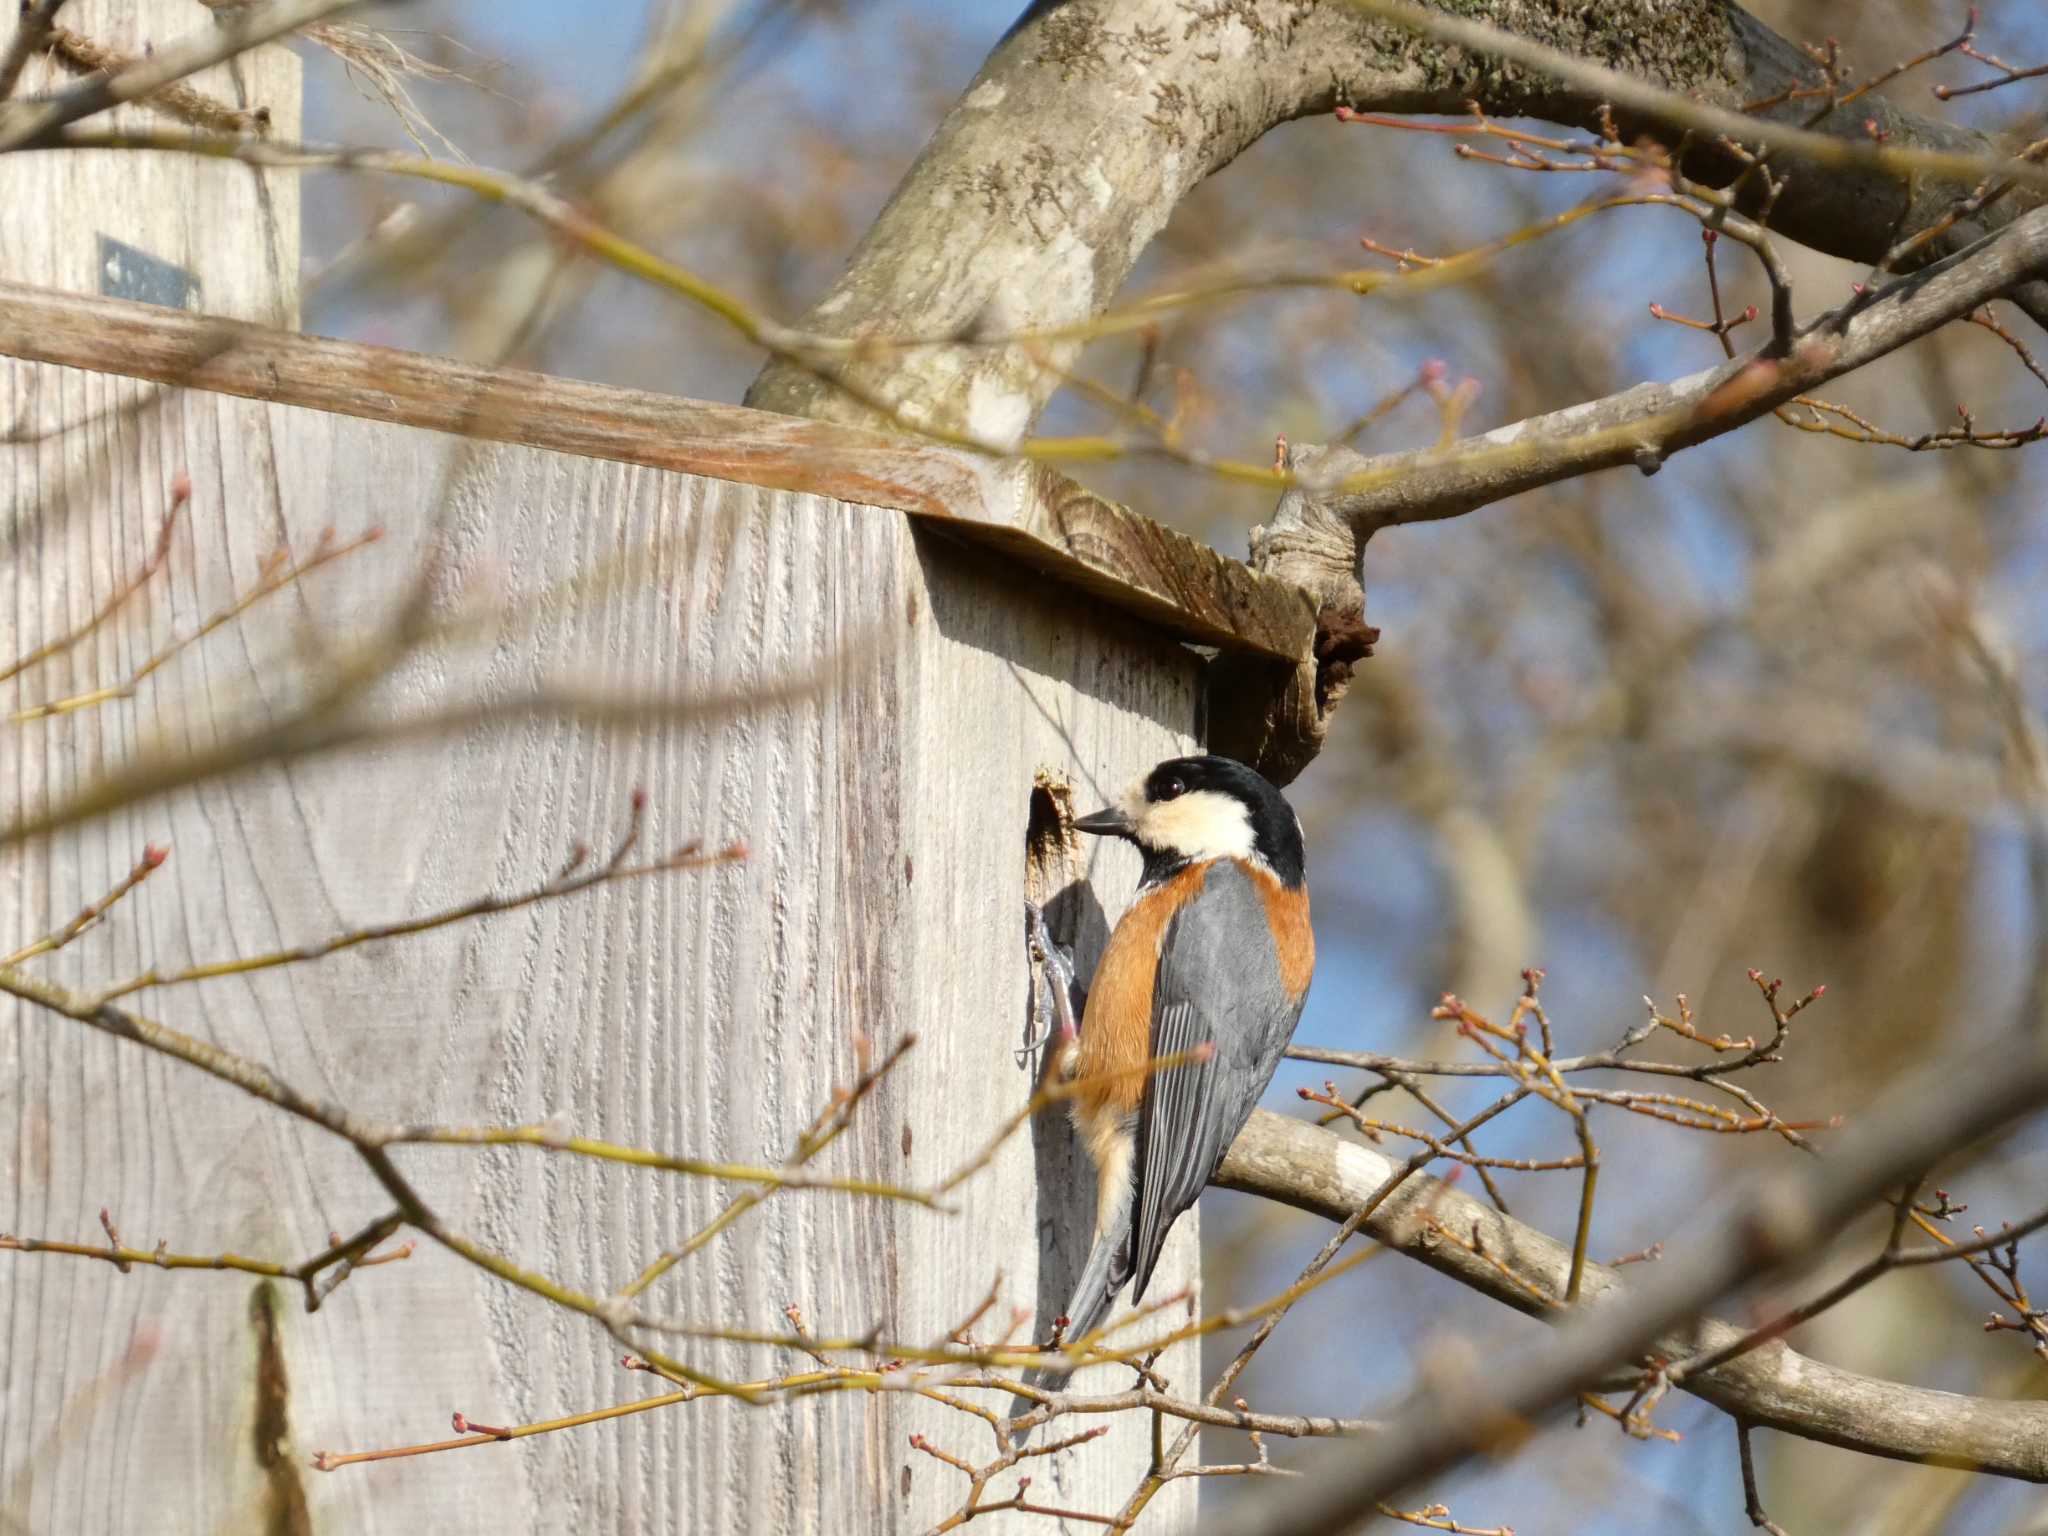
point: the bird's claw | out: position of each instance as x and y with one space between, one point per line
1053 1009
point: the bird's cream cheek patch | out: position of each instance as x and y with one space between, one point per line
1201 825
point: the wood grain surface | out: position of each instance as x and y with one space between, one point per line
709 1012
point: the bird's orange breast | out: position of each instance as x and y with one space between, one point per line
1116 1029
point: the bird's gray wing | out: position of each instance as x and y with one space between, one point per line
1219 983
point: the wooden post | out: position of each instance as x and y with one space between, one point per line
207 236
973 628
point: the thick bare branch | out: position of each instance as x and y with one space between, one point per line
1767 1227
1856 169
1092 120
1645 425
1773 1385
1320 527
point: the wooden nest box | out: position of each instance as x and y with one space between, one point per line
860 657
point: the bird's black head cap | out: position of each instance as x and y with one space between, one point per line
1191 809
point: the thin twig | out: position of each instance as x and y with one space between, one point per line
152 859
181 493
278 573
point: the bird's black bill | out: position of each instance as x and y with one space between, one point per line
1110 823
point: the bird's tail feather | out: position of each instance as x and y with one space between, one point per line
1102 1277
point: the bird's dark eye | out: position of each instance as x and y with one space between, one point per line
1172 788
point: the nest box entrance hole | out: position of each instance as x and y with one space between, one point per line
1051 846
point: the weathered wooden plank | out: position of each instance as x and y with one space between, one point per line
203 236
1029 513
707 1012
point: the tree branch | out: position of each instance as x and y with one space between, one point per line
1320 527
1316 1170
1645 425
1092 119
1859 172
1770 1226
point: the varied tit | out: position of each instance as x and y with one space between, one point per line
1214 955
